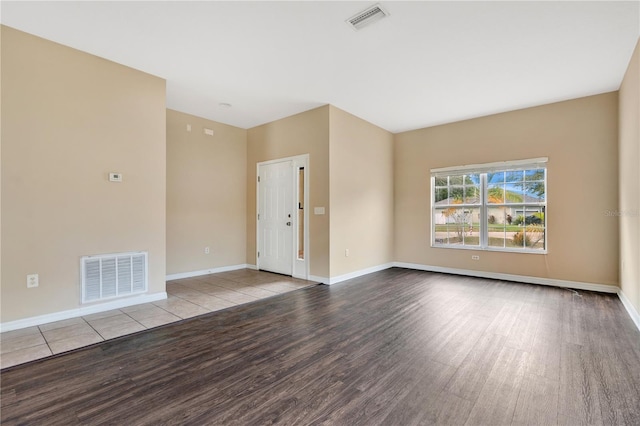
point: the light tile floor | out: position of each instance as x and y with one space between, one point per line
187 298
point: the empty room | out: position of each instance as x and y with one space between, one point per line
320 212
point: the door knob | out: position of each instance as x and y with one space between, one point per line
288 223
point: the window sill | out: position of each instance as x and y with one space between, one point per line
494 249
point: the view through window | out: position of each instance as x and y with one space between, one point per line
492 207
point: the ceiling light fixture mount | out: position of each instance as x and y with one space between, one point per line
367 17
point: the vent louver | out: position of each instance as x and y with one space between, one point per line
113 275
366 17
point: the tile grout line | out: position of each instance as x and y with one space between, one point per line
169 312
181 298
45 340
143 326
104 339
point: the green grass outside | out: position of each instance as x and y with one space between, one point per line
493 242
492 228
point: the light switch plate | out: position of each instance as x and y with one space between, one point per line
318 210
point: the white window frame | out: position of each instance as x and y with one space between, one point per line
483 170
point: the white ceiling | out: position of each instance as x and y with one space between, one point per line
428 63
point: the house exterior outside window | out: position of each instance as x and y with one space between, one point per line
497 206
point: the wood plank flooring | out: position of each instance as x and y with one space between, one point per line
397 347
187 298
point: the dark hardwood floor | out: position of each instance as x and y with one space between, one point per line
397 347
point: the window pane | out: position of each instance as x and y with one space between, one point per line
533 215
457 226
514 176
440 181
534 237
497 223
456 180
496 177
301 213
534 186
534 192
516 227
473 179
514 193
534 174
495 194
529 228
472 194
456 194
441 194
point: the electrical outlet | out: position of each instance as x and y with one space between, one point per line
346 252
207 250
475 257
32 280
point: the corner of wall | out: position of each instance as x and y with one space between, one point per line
361 193
628 213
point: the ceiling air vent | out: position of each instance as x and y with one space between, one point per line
366 17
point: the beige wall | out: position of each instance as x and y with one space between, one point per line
305 133
629 188
361 190
580 139
206 194
0 172
68 119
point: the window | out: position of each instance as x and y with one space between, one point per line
498 206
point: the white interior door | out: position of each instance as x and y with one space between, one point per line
275 220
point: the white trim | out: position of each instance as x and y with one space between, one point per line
81 311
361 272
209 271
280 160
319 279
633 313
490 166
603 288
254 267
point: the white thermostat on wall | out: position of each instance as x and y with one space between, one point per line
115 177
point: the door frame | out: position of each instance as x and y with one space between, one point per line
300 268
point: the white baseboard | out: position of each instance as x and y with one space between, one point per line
81 311
146 298
254 267
356 274
209 271
319 279
603 288
633 313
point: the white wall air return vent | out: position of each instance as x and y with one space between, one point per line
366 17
113 275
